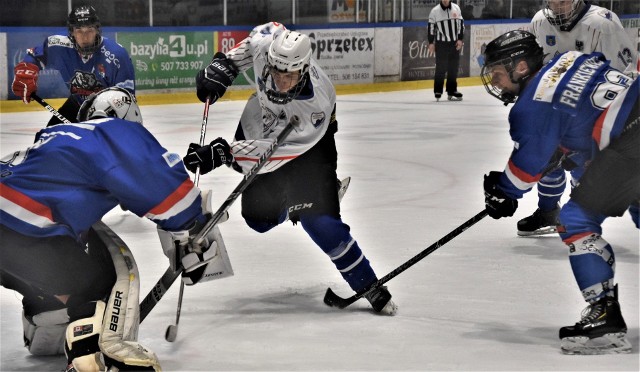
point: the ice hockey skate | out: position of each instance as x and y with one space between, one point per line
539 223
455 96
438 96
601 330
381 301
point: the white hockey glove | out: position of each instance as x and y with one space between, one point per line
203 262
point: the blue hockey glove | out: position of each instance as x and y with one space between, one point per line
497 203
214 80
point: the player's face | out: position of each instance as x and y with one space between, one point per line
446 2
559 7
284 81
501 80
85 36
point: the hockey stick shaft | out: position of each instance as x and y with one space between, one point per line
50 109
196 179
333 299
167 279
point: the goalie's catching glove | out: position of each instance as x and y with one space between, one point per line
498 204
208 157
214 80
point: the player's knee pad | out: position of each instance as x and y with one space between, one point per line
44 333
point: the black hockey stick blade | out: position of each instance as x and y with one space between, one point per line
332 299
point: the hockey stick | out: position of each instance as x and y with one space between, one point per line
172 330
170 276
332 299
50 109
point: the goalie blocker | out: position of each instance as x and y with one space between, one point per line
203 261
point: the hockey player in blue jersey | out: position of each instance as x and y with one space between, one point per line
575 104
74 276
299 183
87 62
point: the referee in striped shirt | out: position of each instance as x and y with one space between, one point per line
446 32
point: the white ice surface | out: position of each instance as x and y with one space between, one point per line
488 300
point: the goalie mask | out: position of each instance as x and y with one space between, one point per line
112 102
506 51
286 72
562 13
82 21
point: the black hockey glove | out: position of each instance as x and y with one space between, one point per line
215 79
208 157
565 159
498 204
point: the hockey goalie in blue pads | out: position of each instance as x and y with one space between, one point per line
79 280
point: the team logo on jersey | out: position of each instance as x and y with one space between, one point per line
171 158
579 45
551 40
317 118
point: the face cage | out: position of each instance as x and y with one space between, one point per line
564 19
88 50
269 87
485 76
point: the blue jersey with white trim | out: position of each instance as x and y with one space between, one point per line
577 102
110 66
75 173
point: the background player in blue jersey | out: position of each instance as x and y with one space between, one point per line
561 26
87 62
576 102
72 270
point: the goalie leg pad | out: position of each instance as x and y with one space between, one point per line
44 333
122 312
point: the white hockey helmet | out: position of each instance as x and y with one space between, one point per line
289 52
112 102
562 13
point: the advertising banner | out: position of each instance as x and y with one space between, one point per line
346 55
164 60
345 11
481 35
418 63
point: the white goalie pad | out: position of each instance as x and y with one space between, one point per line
122 313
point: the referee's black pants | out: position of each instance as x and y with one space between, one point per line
447 62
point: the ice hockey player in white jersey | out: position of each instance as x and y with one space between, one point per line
562 26
299 183
80 282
